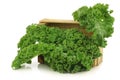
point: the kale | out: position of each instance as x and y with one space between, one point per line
96 19
68 50
64 50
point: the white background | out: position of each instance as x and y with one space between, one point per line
15 15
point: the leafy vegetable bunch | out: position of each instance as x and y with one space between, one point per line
64 50
67 50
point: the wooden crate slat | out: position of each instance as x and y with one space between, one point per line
58 21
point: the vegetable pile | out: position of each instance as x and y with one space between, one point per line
67 50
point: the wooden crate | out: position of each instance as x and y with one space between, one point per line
67 24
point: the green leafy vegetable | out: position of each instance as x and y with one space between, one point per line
68 50
96 19
64 50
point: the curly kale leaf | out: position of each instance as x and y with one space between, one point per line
96 19
26 54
